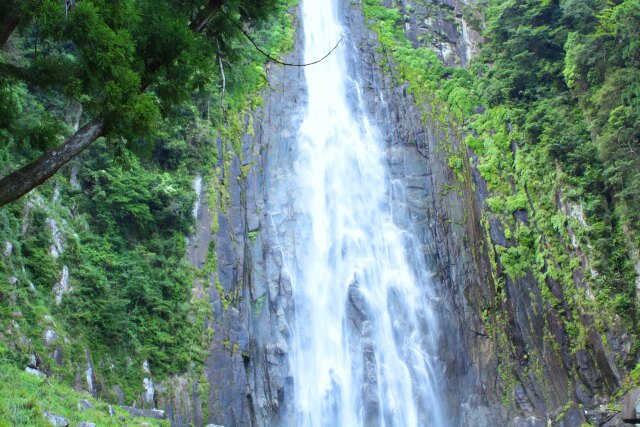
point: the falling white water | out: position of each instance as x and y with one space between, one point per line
362 352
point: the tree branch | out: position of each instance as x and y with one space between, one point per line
224 79
9 24
277 61
20 182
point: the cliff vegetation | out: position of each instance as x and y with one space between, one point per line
546 117
96 289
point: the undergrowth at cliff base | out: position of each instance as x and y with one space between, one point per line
25 398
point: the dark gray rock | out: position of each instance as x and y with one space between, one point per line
57 355
583 395
574 417
631 407
616 421
117 391
528 422
601 416
33 361
90 380
522 400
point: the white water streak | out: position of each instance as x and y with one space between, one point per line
349 247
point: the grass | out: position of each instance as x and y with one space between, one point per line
24 398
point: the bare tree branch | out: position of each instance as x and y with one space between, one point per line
8 25
271 58
224 79
200 23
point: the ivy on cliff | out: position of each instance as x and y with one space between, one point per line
539 58
550 113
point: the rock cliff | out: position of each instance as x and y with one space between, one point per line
505 347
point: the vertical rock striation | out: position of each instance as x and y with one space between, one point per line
247 368
248 371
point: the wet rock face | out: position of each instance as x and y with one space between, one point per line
248 369
443 224
455 247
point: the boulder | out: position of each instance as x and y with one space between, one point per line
574 417
56 420
35 372
50 337
33 361
84 404
631 407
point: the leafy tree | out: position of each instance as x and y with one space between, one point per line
126 62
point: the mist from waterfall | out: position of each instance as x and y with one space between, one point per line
365 335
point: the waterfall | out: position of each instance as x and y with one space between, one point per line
362 351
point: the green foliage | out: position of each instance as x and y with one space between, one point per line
104 55
550 110
517 202
591 140
124 230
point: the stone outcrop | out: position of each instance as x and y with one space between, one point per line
449 27
631 407
56 420
149 413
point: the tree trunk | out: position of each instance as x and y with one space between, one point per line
9 24
37 172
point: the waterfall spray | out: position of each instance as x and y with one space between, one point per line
362 350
